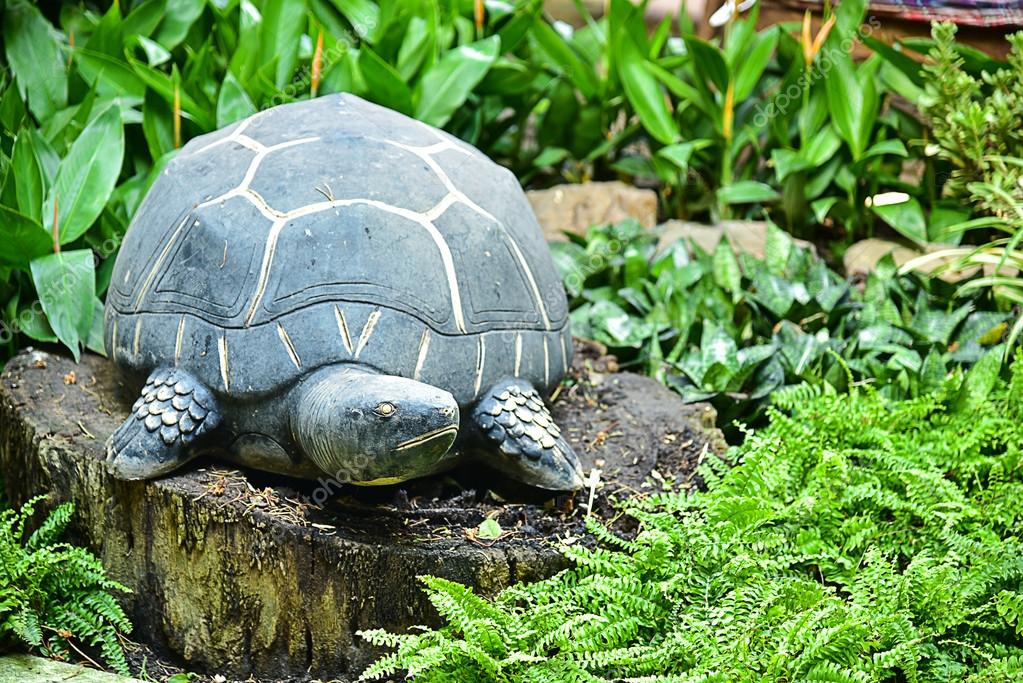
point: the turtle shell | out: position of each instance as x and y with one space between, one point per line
335 230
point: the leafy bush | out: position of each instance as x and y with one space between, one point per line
736 330
53 595
975 123
857 539
975 119
92 105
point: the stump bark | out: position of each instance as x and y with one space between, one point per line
241 573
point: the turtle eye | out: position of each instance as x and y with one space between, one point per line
385 409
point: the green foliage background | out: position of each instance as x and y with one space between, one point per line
739 330
96 97
855 539
54 597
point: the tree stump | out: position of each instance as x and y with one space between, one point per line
242 573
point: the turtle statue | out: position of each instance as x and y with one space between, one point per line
331 288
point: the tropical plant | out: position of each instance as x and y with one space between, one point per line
92 105
974 115
856 539
56 597
735 330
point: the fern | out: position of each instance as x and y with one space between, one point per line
53 595
855 539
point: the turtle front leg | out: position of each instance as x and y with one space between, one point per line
174 410
513 418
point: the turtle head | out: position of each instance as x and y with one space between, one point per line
367 428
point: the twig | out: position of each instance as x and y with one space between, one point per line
594 480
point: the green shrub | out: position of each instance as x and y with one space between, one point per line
855 539
974 114
714 125
975 121
734 331
53 595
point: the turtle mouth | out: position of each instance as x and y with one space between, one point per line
447 430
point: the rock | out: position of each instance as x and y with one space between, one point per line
863 256
26 669
748 237
242 573
575 207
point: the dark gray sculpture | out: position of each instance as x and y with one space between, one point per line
332 288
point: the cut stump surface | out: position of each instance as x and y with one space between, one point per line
242 573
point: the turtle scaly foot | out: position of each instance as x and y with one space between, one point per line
513 417
173 411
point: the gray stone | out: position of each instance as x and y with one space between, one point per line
575 207
333 287
748 237
27 669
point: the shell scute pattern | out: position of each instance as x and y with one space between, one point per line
272 219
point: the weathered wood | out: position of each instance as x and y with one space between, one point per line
238 577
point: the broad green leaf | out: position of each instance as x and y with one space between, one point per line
95 340
156 54
709 62
821 147
717 346
849 16
726 268
363 15
886 147
846 102
233 103
821 207
550 156
932 372
30 181
23 238
445 86
614 326
178 17
86 177
143 19
944 216
110 76
936 325
34 55
281 31
163 84
747 192
681 152
561 52
907 218
773 292
415 46
388 87
644 93
489 530
980 380
32 323
777 248
787 161
65 283
751 68
157 125
897 58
